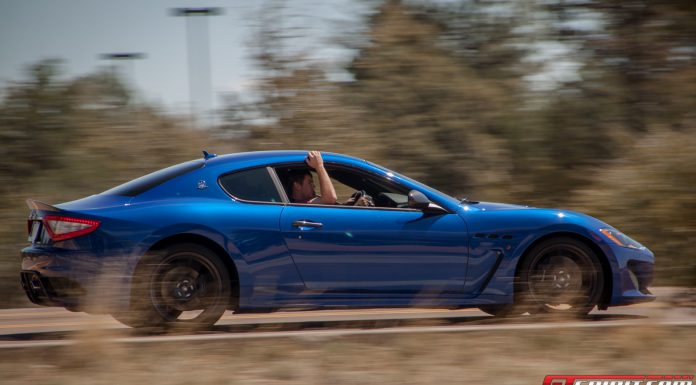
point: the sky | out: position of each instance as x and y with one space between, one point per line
79 31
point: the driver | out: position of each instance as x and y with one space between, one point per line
302 188
302 184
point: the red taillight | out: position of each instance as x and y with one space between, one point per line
61 228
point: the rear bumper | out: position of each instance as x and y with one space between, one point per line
56 291
75 280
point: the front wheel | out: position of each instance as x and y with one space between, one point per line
560 276
183 286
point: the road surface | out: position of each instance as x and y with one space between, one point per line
42 326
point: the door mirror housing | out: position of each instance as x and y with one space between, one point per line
417 200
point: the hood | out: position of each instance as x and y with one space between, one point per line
493 206
527 216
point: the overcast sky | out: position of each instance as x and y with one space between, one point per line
78 31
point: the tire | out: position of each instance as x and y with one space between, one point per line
497 310
560 276
184 286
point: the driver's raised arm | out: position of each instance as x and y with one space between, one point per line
328 194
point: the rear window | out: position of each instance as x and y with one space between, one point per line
251 185
144 183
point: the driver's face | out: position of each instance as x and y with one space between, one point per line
306 190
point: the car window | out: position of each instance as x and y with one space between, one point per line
251 185
346 180
417 183
384 193
343 191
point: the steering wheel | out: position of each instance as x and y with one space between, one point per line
360 198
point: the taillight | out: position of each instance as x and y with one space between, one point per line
61 228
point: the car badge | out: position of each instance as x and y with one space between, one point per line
202 185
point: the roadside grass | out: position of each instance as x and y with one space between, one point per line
500 357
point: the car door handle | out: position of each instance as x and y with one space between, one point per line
304 223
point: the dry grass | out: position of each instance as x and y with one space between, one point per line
456 358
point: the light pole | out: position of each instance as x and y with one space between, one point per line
200 87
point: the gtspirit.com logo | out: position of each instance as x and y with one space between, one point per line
618 380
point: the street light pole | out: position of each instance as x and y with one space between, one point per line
197 41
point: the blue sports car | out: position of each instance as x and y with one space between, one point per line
178 247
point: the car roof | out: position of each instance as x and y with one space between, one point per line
256 158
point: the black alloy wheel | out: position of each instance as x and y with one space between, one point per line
184 286
558 276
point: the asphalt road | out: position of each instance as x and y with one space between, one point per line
30 327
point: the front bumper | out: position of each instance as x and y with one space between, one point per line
633 274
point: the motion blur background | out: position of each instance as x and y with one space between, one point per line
588 105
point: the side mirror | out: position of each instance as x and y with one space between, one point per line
417 200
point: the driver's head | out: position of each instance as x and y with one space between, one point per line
301 186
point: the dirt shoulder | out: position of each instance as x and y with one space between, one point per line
510 357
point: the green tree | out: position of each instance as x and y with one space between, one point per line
34 123
431 115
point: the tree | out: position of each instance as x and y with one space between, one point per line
63 139
651 195
34 123
427 112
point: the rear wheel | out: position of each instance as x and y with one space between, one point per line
183 286
560 276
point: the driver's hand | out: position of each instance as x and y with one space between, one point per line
363 201
314 160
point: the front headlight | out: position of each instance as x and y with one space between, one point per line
621 239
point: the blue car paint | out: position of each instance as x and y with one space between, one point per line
466 256
377 250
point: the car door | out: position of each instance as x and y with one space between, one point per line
376 249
